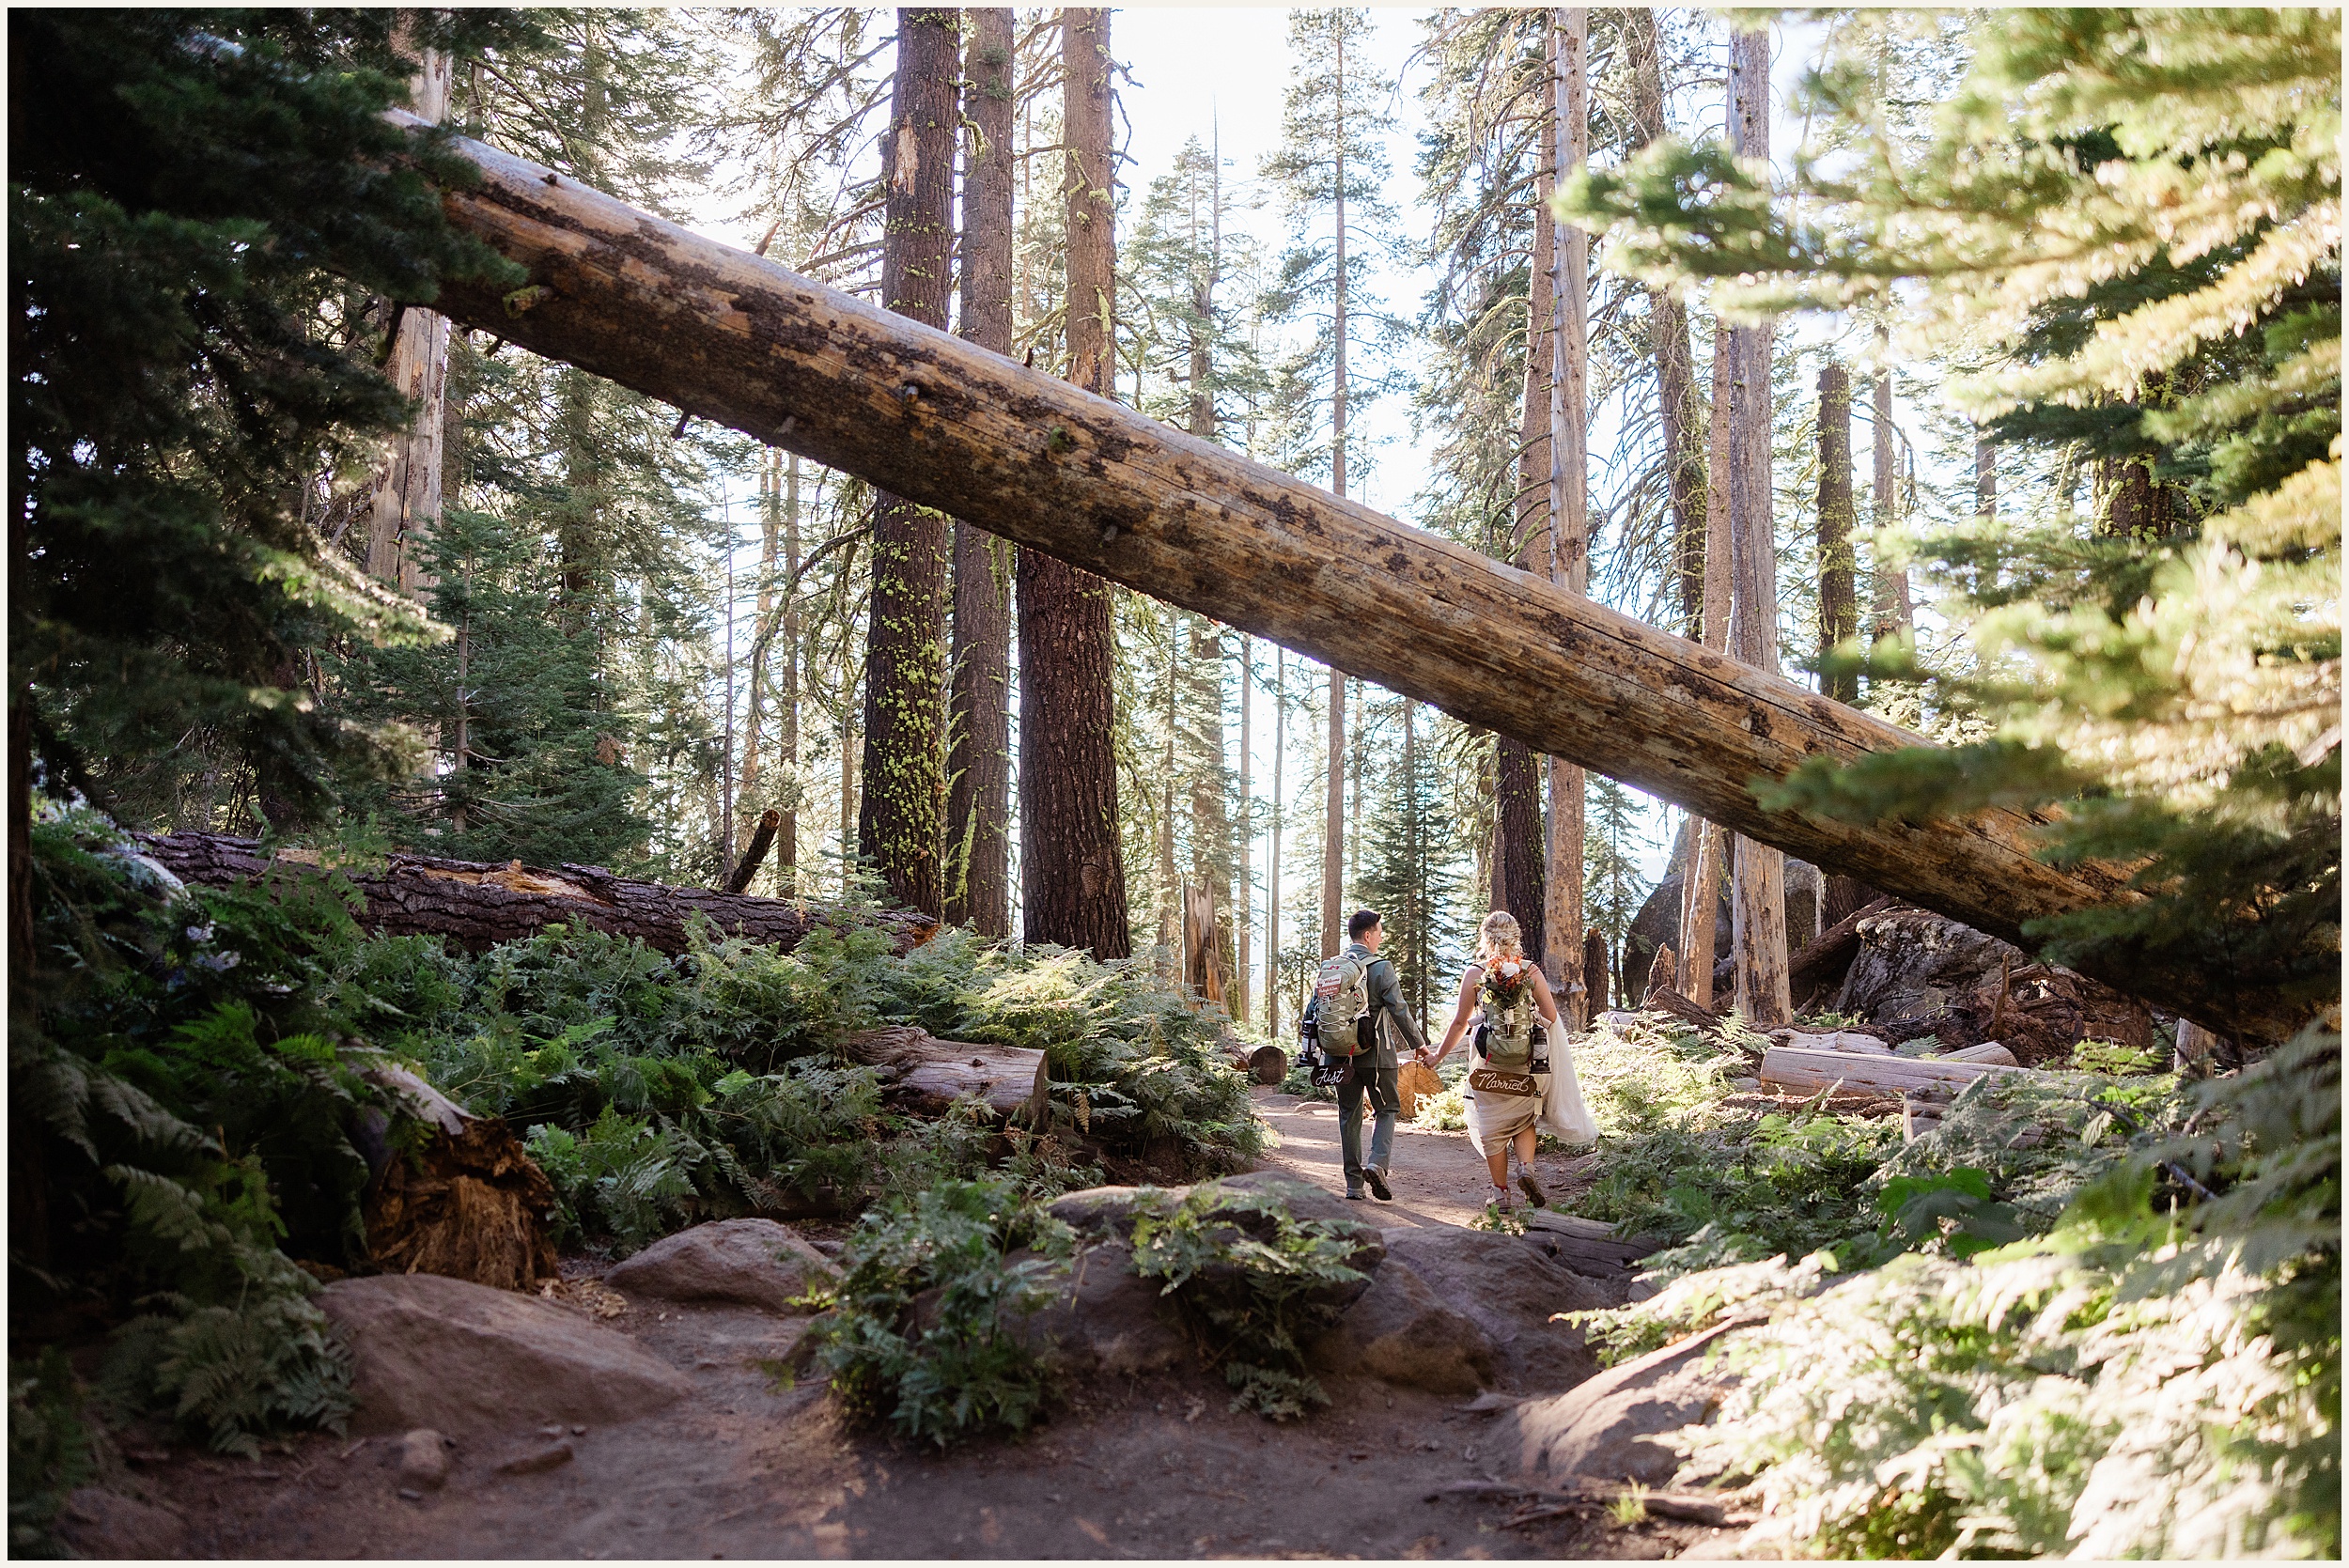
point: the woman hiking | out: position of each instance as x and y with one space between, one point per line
1510 1085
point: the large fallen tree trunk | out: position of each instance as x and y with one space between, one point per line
730 337
1810 1071
478 905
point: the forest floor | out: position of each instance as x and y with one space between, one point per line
1150 1467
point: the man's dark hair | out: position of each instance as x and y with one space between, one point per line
1364 920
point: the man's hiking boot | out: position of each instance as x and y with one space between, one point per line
1377 1180
1353 1195
1533 1189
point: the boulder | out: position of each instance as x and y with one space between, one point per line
465 1359
756 1261
1919 974
1108 1211
1609 1427
1302 1199
1508 1286
1399 1333
103 1524
423 1456
1107 1319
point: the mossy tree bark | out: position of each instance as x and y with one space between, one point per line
900 821
978 764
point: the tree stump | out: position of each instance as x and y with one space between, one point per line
468 1203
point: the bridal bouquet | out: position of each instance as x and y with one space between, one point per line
1508 981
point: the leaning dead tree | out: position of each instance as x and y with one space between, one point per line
744 342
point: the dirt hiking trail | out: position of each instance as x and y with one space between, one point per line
743 1467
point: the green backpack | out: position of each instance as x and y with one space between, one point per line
1343 990
1505 1039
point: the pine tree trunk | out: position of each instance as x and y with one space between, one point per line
1333 817
1333 826
1244 860
1569 512
1170 910
1211 857
978 767
900 823
1676 373
404 503
762 642
1839 604
788 836
1272 873
1759 871
1839 611
1701 893
1892 614
848 750
1519 849
1072 864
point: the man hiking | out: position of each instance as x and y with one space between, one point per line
1358 1010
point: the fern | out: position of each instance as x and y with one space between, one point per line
961 1367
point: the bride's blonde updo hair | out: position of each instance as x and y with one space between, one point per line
1499 938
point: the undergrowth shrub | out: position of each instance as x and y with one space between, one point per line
918 1333
2158 1374
182 1103
1257 1282
663 1090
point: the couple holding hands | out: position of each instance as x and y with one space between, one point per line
1521 1076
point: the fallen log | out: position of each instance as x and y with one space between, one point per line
923 1073
479 904
730 337
1848 1072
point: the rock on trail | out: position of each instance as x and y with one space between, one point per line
757 1263
465 1359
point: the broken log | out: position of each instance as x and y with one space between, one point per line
1261 1064
769 822
733 338
466 1201
1850 1072
479 904
1663 999
919 1072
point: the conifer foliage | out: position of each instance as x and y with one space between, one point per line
188 194
2129 222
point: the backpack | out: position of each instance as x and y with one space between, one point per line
1343 991
1505 1039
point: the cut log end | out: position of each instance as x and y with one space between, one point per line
926 1074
